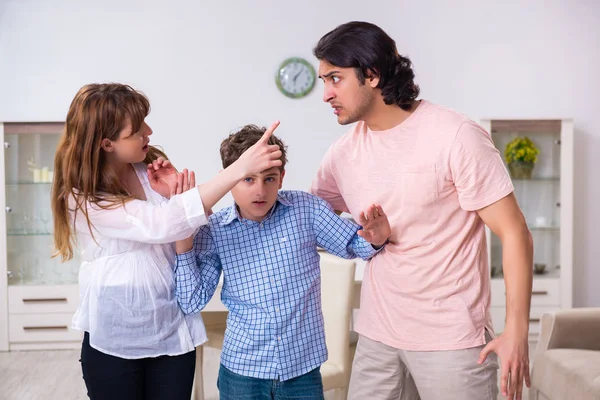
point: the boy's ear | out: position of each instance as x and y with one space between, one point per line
107 145
281 179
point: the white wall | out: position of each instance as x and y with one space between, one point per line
208 70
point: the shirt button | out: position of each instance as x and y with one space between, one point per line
272 280
277 309
278 337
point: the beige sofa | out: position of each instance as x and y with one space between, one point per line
566 364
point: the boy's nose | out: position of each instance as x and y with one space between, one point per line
262 188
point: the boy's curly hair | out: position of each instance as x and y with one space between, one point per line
240 141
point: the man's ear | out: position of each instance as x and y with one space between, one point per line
107 145
281 179
372 79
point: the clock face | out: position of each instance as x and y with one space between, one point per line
295 77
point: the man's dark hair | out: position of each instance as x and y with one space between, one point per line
370 51
240 141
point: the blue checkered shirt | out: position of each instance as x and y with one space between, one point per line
272 282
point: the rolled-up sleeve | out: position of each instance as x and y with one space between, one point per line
338 235
142 221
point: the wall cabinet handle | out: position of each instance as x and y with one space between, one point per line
44 328
56 300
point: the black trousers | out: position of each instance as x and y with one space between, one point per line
159 378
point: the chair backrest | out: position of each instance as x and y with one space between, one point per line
337 287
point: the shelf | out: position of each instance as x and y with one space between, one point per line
16 234
32 282
27 183
33 128
551 274
539 179
545 228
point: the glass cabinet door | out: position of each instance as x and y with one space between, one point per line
538 195
29 158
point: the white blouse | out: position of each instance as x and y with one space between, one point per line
126 283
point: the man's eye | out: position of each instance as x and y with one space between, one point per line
335 79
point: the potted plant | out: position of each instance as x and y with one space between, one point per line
521 155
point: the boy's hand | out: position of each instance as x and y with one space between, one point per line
185 245
162 176
376 227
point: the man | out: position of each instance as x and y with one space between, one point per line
424 323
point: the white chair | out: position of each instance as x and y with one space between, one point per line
215 323
337 285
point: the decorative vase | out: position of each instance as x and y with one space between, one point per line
521 169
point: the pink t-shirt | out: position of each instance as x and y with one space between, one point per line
429 289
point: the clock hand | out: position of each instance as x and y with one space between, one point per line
297 75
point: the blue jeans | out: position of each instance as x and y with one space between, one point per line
237 387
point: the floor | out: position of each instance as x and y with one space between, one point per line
56 375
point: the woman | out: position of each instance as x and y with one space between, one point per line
110 198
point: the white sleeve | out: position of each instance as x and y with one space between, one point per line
142 221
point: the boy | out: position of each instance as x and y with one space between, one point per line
266 246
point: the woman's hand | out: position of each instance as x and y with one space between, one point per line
184 181
162 176
260 157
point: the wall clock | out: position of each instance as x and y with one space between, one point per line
295 77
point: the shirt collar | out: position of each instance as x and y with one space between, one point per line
233 213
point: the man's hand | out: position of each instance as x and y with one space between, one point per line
375 226
163 177
505 220
512 349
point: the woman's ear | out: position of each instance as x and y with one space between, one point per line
107 145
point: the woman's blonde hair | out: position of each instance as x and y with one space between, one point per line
81 171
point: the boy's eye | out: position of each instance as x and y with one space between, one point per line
335 79
248 180
270 180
